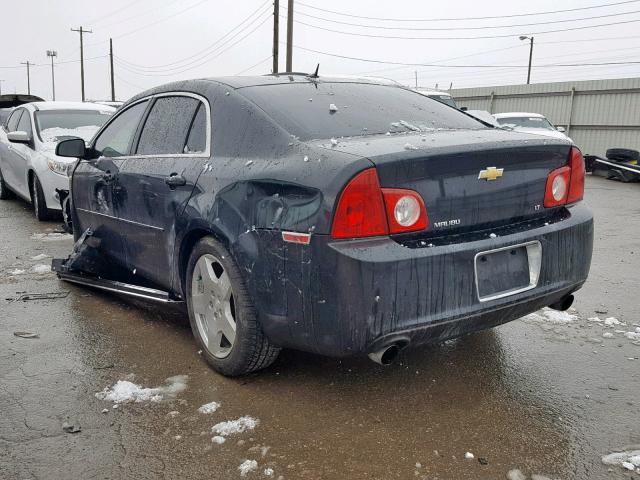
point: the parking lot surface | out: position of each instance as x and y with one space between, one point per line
547 395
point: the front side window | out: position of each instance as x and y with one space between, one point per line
24 125
115 139
14 119
167 126
52 125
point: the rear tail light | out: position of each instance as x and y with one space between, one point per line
566 184
360 211
366 210
406 211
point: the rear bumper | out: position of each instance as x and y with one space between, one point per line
349 297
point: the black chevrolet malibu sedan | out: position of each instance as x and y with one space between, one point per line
334 215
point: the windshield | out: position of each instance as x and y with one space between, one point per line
325 110
526 122
54 124
446 99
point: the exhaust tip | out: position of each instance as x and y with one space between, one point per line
386 356
563 304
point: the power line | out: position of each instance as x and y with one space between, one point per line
136 30
467 18
126 67
378 27
390 37
370 60
113 12
207 50
253 66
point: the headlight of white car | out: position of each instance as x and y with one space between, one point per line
61 168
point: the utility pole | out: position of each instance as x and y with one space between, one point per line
524 37
81 31
290 36
28 64
52 54
113 88
276 34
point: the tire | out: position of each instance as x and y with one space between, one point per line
5 193
623 154
39 202
217 300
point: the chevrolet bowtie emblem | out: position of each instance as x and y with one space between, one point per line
491 173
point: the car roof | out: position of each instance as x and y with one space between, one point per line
517 114
68 106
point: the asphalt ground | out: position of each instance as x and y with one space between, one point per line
543 395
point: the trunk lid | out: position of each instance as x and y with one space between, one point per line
444 167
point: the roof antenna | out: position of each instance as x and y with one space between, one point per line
315 74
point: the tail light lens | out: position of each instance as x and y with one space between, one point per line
366 210
361 211
576 186
406 211
566 184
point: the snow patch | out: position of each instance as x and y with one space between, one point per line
17 271
607 335
209 407
268 472
125 391
51 236
633 335
40 269
408 146
551 316
334 142
247 466
469 455
516 474
218 439
628 459
332 107
39 258
231 427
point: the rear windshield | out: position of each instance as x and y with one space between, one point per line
446 99
526 122
54 124
326 110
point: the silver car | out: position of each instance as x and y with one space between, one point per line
29 166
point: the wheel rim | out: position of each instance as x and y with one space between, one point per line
213 305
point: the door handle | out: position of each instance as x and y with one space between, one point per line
175 180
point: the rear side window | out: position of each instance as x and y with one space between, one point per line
167 126
334 109
115 139
13 120
197 140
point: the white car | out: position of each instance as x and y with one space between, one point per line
29 166
442 97
530 123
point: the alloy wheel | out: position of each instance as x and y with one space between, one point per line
213 305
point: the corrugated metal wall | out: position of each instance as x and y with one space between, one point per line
598 114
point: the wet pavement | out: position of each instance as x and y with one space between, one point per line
544 395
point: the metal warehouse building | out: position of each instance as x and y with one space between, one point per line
598 114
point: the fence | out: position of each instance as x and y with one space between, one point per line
598 114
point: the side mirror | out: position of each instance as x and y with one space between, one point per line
561 129
72 147
19 137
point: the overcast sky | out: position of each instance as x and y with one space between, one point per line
157 41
